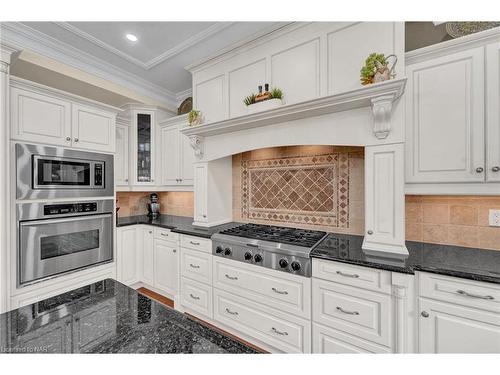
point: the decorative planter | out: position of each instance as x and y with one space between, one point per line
265 105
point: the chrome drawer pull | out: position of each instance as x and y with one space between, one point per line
164 234
193 297
464 293
193 265
284 333
231 312
194 243
346 311
353 275
279 291
231 277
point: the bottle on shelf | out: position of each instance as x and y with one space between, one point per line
261 96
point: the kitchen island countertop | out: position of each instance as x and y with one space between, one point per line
108 317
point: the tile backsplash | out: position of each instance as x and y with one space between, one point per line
317 187
452 220
179 203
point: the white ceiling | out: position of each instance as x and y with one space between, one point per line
163 48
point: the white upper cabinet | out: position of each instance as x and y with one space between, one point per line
345 60
176 154
493 112
445 118
40 118
93 129
44 115
242 82
305 60
210 98
296 72
122 154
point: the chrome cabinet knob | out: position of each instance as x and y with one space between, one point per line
425 314
150 232
370 232
68 139
479 169
204 215
495 169
76 139
126 180
174 250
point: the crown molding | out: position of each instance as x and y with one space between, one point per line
20 36
272 32
171 52
181 95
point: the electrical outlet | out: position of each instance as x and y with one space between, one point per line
494 218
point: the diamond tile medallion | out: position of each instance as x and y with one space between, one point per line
312 190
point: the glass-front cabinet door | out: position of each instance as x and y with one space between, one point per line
144 121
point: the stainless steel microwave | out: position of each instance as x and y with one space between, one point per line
54 172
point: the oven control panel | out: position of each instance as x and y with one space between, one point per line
61 209
98 174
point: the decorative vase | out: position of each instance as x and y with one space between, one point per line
384 72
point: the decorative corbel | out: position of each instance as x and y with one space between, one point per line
382 110
197 144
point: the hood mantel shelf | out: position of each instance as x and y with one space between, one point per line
380 96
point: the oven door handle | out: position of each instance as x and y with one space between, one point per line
64 220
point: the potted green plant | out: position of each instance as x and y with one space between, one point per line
195 118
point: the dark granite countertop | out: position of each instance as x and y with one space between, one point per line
108 317
178 224
468 263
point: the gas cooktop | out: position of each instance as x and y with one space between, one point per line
280 248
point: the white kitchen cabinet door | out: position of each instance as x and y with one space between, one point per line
166 270
445 119
186 165
447 328
210 99
170 155
384 197
242 82
296 72
493 112
127 248
200 193
122 156
148 256
40 118
93 129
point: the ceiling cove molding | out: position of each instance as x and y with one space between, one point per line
181 95
24 37
260 37
174 51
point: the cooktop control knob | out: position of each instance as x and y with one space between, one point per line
283 263
248 255
257 258
219 249
295 266
227 251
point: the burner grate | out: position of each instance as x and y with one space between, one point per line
292 236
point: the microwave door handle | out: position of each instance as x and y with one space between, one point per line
65 220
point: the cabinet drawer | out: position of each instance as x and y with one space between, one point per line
282 331
196 297
362 277
276 289
358 312
196 243
166 235
461 291
330 341
196 265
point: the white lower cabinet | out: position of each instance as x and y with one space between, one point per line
196 298
149 256
282 331
165 266
457 315
327 340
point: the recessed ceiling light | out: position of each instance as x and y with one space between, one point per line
131 37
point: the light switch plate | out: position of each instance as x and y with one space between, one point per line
494 218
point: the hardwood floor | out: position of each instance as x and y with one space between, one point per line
170 303
157 297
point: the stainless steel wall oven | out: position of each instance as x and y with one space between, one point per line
58 237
